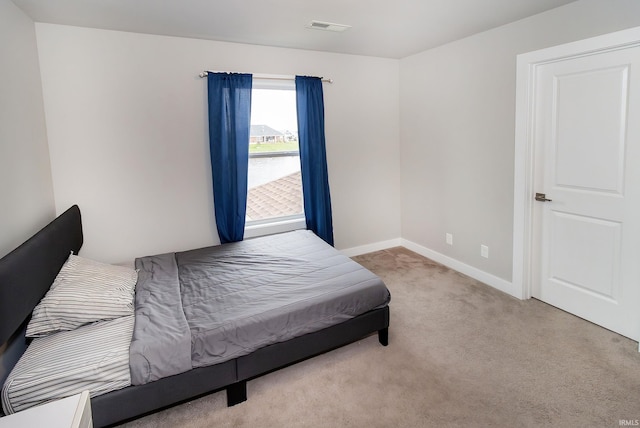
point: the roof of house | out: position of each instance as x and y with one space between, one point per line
278 198
264 131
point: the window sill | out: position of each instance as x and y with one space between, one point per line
278 226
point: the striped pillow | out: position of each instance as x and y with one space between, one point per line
84 291
93 357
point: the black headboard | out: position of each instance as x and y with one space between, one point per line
27 272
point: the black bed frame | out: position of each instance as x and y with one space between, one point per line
27 273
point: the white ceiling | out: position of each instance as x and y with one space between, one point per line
383 28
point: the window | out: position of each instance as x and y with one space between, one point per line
274 181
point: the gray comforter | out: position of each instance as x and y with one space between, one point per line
206 306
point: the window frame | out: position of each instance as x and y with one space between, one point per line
255 228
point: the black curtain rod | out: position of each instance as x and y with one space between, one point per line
265 76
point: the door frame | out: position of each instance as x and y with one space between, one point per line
525 244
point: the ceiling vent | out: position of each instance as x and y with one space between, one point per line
328 26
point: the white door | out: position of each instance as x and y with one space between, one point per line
586 132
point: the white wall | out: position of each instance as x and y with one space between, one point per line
26 192
126 119
457 107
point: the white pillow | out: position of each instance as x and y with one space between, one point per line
84 291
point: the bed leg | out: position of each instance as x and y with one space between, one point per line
236 393
383 336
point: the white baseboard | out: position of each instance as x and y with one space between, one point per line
475 273
370 248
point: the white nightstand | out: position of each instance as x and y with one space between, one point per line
70 412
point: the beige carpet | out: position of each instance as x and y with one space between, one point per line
460 354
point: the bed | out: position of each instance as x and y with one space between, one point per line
274 339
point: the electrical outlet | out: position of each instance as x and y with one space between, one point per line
484 251
449 239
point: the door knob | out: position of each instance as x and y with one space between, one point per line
542 197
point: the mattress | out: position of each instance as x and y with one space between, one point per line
94 357
229 300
